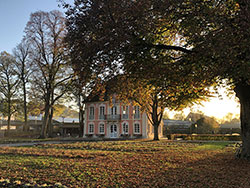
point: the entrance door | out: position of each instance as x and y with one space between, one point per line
113 131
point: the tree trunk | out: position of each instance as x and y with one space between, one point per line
156 136
50 123
81 121
156 117
242 91
26 126
45 121
9 116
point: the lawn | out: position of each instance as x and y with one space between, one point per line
126 164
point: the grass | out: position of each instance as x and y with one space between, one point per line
126 164
212 146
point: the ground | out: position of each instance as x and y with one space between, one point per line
126 164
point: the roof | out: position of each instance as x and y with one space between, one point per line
67 120
39 117
170 122
55 119
97 97
103 94
230 126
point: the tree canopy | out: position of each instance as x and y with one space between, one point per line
129 39
206 41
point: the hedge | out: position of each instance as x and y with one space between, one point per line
222 137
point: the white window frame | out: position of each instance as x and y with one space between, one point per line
125 111
137 130
136 112
113 110
99 128
102 115
90 127
91 116
125 130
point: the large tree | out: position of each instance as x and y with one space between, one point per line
23 70
9 85
45 33
125 37
212 39
219 34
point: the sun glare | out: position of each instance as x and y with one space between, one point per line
217 107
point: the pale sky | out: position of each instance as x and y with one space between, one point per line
14 14
217 107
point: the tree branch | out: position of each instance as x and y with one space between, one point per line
168 47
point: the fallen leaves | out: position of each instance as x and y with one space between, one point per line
125 164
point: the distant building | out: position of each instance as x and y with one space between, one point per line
177 126
62 126
229 128
69 126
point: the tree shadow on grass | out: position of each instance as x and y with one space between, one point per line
220 170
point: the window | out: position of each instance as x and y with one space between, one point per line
125 112
125 128
101 128
137 128
113 110
114 115
91 112
136 112
102 112
91 128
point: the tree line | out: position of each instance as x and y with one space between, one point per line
38 72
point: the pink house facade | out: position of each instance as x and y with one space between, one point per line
103 120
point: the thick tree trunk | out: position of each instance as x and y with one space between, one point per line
156 117
9 116
156 134
243 93
8 124
43 133
26 126
81 121
50 123
45 121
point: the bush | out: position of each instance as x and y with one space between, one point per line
221 137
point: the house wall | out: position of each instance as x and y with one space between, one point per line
107 124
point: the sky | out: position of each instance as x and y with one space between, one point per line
14 14
217 107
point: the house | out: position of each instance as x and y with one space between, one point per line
104 119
